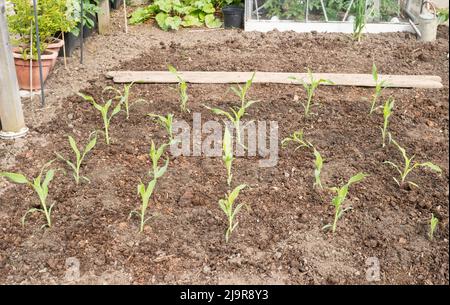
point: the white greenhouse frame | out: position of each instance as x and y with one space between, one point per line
252 24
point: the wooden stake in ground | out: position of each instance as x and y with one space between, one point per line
125 15
103 17
11 115
339 79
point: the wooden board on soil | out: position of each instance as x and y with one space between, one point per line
221 77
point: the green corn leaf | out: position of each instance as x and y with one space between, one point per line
74 147
235 193
431 166
14 177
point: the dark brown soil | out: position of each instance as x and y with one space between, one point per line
279 238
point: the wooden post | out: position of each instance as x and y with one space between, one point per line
11 114
103 17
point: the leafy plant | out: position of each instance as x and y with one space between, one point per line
379 87
297 138
104 111
124 96
387 112
310 89
166 122
79 157
442 14
145 192
182 89
227 157
409 166
51 16
173 14
318 162
236 114
40 187
73 13
339 199
360 19
227 206
433 226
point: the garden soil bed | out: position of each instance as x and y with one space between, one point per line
279 238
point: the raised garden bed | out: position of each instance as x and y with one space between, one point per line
279 238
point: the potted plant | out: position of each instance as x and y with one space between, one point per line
233 13
21 24
73 13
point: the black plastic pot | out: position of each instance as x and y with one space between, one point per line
70 43
233 17
115 4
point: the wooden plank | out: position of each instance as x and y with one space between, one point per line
339 79
104 17
11 114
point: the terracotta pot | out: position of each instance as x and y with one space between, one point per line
55 45
23 69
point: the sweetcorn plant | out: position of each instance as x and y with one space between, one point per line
182 89
227 157
310 89
379 87
123 96
387 112
433 226
145 192
40 187
360 19
227 206
104 111
166 122
79 156
409 166
318 162
236 114
296 138
338 200
241 91
155 155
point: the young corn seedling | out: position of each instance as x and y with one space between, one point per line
79 156
104 111
379 87
310 89
236 114
182 89
433 226
235 118
226 205
241 92
297 138
40 187
339 199
387 112
123 97
318 162
155 155
166 122
360 19
145 192
409 166
227 147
